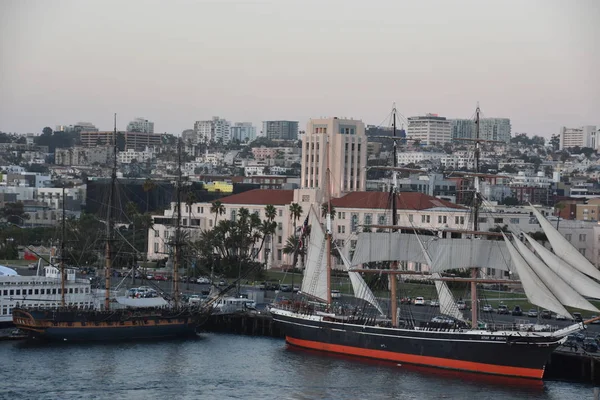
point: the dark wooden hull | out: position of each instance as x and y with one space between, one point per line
511 355
120 325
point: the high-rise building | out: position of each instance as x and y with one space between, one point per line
78 127
584 136
498 129
140 125
429 129
280 130
213 130
347 143
243 131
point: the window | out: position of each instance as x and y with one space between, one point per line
582 251
498 220
233 214
155 248
442 219
568 236
514 220
353 222
280 212
482 220
368 219
305 198
341 229
582 237
279 225
156 233
279 239
423 218
410 218
279 252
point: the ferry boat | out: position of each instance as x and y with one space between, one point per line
40 291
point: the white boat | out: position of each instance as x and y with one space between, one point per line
41 291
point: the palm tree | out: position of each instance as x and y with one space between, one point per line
271 226
218 209
189 200
295 213
148 186
325 210
270 212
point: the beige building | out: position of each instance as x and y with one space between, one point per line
83 155
429 129
589 211
347 144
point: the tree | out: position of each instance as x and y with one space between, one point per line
217 208
555 142
325 210
14 213
295 213
47 131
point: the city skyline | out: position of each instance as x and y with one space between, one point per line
533 62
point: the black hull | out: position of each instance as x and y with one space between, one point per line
511 355
120 325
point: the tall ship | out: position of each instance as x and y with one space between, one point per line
111 321
550 279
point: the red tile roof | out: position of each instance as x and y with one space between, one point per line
261 197
382 200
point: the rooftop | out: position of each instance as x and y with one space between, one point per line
261 197
381 200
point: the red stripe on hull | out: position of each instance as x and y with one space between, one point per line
421 360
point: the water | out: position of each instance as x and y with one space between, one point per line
218 366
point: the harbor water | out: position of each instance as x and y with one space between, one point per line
222 366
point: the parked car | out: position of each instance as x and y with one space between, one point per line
222 282
203 280
419 301
532 313
285 288
517 312
545 314
590 345
434 303
461 305
488 308
560 317
149 277
577 317
158 277
335 294
502 309
296 289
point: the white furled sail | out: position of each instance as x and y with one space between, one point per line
583 284
314 282
561 289
537 293
564 249
446 298
359 286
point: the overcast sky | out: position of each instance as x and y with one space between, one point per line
175 62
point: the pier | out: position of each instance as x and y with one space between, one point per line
243 323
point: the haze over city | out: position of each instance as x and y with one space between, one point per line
176 62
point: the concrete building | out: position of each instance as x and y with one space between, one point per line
429 129
133 140
347 156
280 130
78 127
414 157
126 157
214 130
498 129
140 125
584 136
79 155
242 131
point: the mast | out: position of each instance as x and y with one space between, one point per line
177 243
62 252
328 219
394 265
475 271
109 222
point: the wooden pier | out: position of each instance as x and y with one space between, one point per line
243 323
570 365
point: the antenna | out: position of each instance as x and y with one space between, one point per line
475 271
177 243
62 252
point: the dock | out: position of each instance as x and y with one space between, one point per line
243 323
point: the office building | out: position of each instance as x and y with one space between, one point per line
429 129
280 130
140 125
242 131
347 155
584 136
214 130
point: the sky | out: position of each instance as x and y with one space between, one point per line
174 62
